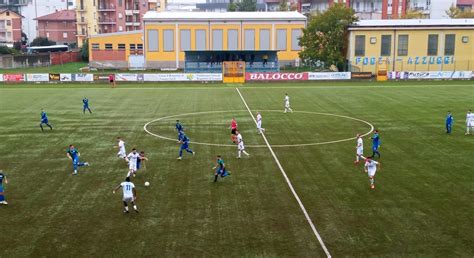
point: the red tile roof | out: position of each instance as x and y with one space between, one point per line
63 15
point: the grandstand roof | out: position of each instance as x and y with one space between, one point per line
413 23
227 16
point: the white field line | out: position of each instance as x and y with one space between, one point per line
310 222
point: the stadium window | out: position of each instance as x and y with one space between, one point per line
386 45
402 45
121 46
360 45
433 45
185 40
249 39
264 39
295 39
232 40
200 39
133 46
153 40
449 44
168 40
140 46
108 46
96 46
216 39
281 39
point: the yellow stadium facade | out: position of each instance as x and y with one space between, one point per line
167 35
412 45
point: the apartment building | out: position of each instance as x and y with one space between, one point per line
10 27
13 5
365 9
59 26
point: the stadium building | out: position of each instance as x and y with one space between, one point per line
412 45
198 41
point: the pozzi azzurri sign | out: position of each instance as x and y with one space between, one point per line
415 60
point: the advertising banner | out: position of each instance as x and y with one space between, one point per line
83 77
430 75
181 77
54 77
1 77
37 77
361 75
101 77
66 77
276 76
126 77
14 77
329 76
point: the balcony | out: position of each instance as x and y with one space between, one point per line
132 23
3 30
106 8
106 21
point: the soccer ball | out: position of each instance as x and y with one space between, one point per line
147 183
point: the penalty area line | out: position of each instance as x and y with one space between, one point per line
290 185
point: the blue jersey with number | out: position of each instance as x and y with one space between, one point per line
44 117
73 153
86 102
179 127
376 140
449 119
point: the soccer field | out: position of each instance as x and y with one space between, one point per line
422 204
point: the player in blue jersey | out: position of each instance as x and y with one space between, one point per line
184 146
140 159
449 122
85 102
3 179
375 144
179 127
44 121
73 154
220 169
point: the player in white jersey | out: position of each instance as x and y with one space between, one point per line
260 129
359 149
132 158
287 103
240 146
121 146
370 169
129 194
469 122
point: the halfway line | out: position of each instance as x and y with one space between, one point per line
315 231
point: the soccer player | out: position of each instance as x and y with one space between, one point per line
44 120
132 158
233 129
129 194
370 169
260 129
112 80
73 154
3 179
85 102
287 103
121 146
179 127
240 146
184 146
375 144
220 169
449 122
140 159
359 149
469 122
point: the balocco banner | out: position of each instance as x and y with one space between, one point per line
276 76
37 77
329 76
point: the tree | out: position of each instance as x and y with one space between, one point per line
325 37
40 41
4 50
456 13
85 50
453 11
413 14
466 15
232 7
17 45
247 6
283 6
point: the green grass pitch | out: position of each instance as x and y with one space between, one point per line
422 205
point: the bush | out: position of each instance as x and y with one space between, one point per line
4 50
40 41
85 51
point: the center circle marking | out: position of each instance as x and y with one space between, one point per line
145 127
